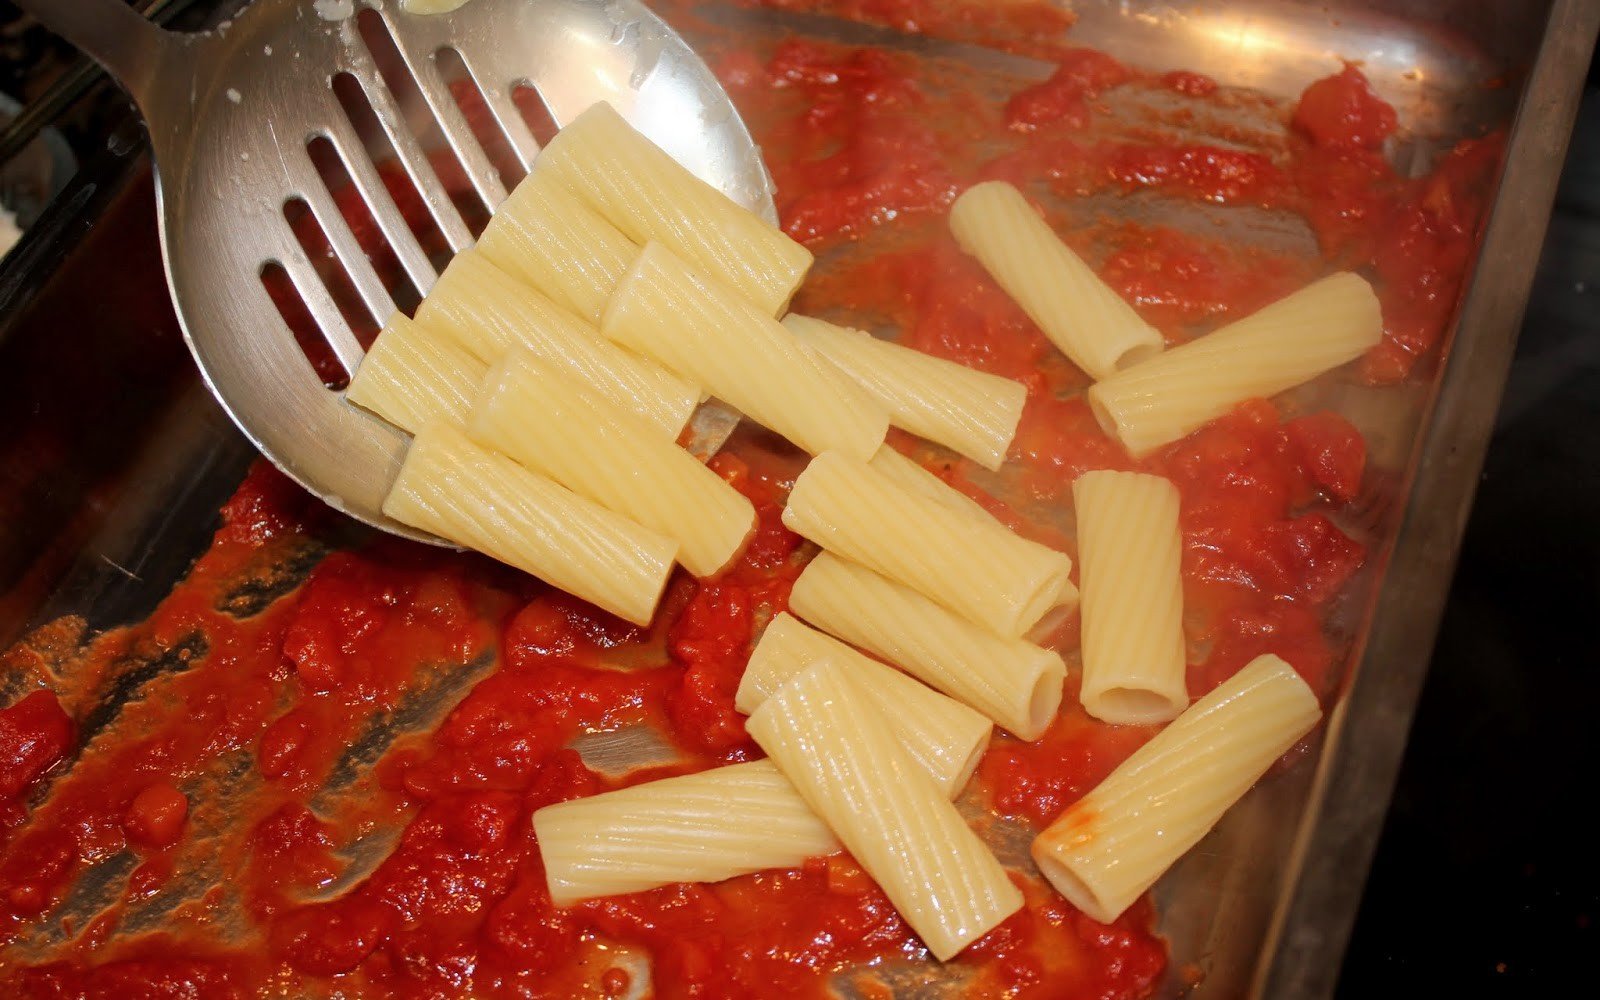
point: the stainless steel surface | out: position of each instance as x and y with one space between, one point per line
230 115
1355 776
70 87
1263 907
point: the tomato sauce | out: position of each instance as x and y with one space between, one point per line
250 753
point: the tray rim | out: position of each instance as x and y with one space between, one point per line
1368 729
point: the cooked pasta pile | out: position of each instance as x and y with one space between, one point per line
548 378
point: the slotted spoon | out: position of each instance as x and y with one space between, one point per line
230 113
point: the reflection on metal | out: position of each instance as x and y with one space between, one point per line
230 113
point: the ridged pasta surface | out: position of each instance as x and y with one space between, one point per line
1318 328
970 412
689 323
1112 845
1081 314
584 441
943 735
547 236
1015 683
702 827
1130 565
461 491
650 197
826 736
977 568
488 312
411 376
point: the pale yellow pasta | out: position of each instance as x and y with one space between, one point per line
650 197
410 376
702 827
565 430
1013 682
550 238
488 312
1080 314
1112 845
976 568
828 738
457 490
970 412
944 736
1320 327
909 475
1130 554
667 311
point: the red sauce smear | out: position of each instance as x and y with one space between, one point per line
258 677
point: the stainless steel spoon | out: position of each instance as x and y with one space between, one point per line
232 113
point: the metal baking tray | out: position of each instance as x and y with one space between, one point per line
114 459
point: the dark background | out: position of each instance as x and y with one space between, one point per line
1487 880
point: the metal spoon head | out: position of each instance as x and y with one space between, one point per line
242 118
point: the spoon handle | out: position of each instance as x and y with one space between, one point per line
130 48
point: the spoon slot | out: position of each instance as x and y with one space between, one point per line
340 268
322 362
372 243
480 118
534 113
388 93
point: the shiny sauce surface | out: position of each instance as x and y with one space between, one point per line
247 758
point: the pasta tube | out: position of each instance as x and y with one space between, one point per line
409 377
599 450
909 475
826 736
944 737
1013 682
488 312
665 310
702 827
460 491
1080 314
970 412
1112 845
605 453
975 568
1130 553
648 196
548 237
1297 338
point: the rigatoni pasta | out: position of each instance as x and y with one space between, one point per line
488 312
910 476
1091 324
1013 682
1112 845
1316 329
944 736
826 736
410 377
457 490
978 569
550 238
666 310
649 196
1130 554
702 827
972 413
565 430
